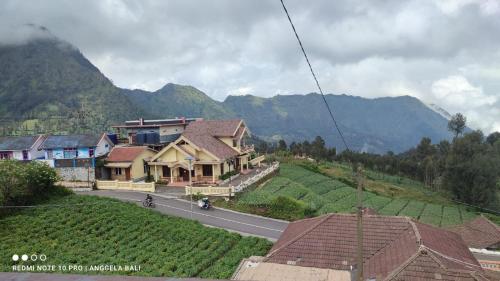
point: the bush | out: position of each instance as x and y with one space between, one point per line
287 208
25 182
228 174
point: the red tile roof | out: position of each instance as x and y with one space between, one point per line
205 134
125 153
392 247
479 233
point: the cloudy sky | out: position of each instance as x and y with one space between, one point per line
445 52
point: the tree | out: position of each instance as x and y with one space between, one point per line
282 145
493 138
471 171
457 124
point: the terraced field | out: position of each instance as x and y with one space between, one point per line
99 231
323 194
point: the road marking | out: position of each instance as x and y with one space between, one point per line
206 215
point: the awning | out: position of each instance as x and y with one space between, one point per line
118 165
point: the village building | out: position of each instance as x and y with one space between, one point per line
155 133
211 148
394 248
74 156
22 148
482 236
129 163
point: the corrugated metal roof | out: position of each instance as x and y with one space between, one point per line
17 143
76 141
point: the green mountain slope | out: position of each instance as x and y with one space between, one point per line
177 100
51 83
47 85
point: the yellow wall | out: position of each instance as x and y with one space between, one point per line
137 169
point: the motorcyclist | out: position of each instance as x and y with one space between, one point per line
149 198
205 203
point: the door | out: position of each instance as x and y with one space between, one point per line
127 174
184 174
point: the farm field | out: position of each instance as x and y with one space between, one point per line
106 231
320 194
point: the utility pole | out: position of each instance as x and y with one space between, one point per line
359 175
190 159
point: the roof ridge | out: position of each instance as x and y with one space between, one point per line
415 229
397 270
301 235
450 258
490 222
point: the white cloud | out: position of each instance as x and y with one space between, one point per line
441 51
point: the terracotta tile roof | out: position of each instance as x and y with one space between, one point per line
479 233
392 247
125 153
205 133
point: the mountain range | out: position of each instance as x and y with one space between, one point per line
47 85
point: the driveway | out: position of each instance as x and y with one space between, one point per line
245 224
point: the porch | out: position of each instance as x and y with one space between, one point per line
178 174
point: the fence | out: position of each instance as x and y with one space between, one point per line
257 177
210 190
126 185
256 161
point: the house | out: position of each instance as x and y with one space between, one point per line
74 156
21 148
482 236
215 147
394 248
479 233
153 132
129 162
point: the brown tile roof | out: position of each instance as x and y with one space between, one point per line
479 233
205 133
125 153
391 246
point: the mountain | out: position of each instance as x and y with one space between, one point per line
47 85
50 79
371 125
177 100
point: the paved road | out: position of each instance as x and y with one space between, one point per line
245 224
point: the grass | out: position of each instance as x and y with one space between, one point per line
329 190
107 231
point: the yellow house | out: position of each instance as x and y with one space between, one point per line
129 162
215 147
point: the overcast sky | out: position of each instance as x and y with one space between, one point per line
445 52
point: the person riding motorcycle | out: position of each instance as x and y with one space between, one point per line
148 202
204 203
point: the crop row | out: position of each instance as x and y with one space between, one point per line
105 231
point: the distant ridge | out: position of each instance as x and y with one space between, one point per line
47 85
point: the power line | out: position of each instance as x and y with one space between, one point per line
314 76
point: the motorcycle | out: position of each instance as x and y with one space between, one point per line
148 203
204 204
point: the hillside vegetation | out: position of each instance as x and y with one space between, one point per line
48 86
88 230
315 193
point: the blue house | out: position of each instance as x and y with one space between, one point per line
74 155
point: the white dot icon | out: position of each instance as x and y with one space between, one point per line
24 257
15 257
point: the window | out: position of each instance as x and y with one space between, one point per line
25 155
4 155
235 143
207 170
166 171
70 153
146 168
91 152
118 171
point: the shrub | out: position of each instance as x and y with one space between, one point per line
287 208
